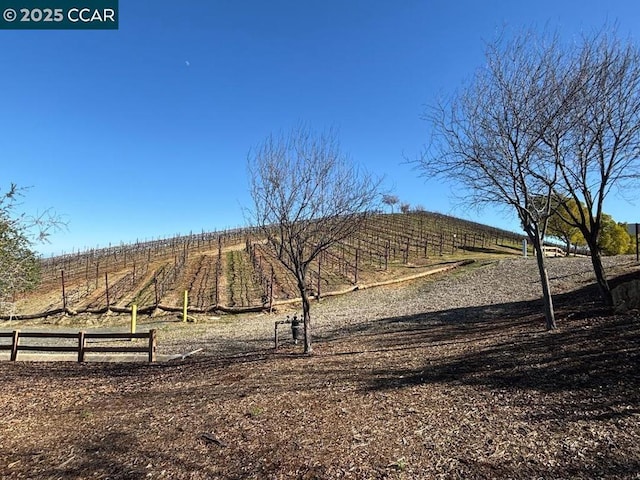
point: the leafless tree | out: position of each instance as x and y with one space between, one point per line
601 149
545 121
487 138
390 200
307 196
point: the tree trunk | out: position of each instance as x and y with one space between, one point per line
306 307
306 313
549 315
598 270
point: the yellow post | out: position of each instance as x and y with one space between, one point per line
134 315
184 306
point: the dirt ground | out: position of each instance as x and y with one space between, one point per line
477 390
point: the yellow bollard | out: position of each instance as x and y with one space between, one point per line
184 306
134 315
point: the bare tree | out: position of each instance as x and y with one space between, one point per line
307 196
601 150
390 200
487 139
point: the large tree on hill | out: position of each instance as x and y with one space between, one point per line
307 196
391 200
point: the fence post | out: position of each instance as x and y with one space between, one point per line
270 290
81 346
134 314
152 345
106 289
14 345
386 256
355 273
319 279
64 294
155 289
184 305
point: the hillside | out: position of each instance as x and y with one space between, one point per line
231 271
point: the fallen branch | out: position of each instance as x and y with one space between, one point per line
212 439
66 462
183 355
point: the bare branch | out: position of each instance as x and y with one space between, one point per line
307 196
489 138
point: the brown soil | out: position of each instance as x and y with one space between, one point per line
476 390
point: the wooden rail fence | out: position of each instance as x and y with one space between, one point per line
81 348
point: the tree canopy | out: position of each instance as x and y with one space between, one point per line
561 229
391 200
614 239
19 266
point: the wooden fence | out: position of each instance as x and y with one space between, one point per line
553 251
81 348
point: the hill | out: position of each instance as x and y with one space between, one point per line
231 271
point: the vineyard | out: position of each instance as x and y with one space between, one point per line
231 271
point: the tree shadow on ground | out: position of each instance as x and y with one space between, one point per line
472 323
101 457
593 354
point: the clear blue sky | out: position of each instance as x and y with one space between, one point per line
144 131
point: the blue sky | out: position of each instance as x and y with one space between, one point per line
144 131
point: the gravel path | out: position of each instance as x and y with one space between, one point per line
502 282
506 281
